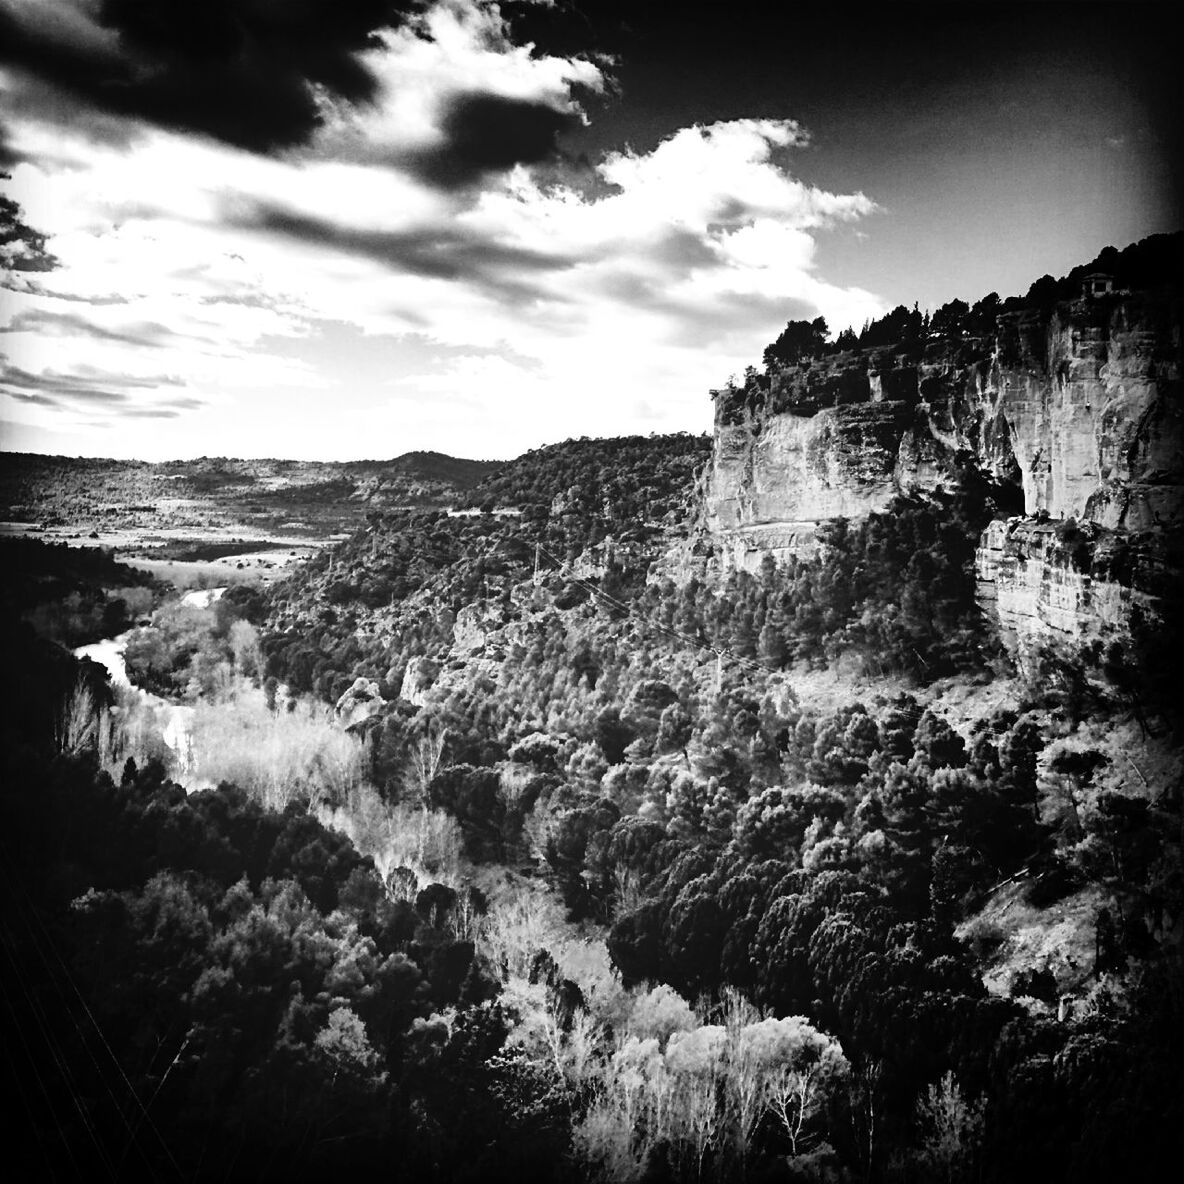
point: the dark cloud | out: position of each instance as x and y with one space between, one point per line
35 399
8 155
165 409
25 246
702 320
87 385
146 334
729 313
487 133
32 288
246 71
682 251
446 252
242 71
152 413
247 300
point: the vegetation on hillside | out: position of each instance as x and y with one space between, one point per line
1150 263
956 327
219 499
580 871
73 595
641 743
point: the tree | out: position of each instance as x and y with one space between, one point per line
244 645
798 340
423 764
950 319
951 1132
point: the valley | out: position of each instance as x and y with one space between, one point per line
797 803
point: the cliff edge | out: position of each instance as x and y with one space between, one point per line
1073 411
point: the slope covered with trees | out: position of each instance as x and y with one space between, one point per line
640 741
598 864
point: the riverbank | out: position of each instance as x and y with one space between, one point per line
142 712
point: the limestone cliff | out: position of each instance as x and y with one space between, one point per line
1075 411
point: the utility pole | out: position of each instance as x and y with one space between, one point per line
537 545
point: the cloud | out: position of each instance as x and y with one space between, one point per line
85 384
170 409
409 275
447 251
437 90
246 73
30 287
457 101
489 133
68 324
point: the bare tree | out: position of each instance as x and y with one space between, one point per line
793 1098
424 763
866 1085
952 1131
82 724
745 1072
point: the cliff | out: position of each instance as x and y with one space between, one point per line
1073 412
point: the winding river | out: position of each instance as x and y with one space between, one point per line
175 720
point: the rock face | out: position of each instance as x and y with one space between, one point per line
417 680
357 704
1056 588
1078 411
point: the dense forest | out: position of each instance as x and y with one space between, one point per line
519 842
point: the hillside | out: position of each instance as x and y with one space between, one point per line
130 503
614 850
950 861
1063 405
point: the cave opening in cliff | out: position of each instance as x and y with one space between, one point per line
1007 487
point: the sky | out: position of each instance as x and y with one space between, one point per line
345 229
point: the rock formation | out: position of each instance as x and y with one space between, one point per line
358 703
418 678
1074 411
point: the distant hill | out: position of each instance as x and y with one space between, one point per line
269 495
432 466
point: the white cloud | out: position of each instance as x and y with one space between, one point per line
556 311
455 46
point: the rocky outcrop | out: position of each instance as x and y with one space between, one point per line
1057 588
470 630
418 678
1078 411
358 703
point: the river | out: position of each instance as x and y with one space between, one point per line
175 720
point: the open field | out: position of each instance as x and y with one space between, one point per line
133 504
216 521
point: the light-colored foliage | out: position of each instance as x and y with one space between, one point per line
82 725
701 1090
399 835
344 1043
659 1013
951 1131
277 757
521 921
588 964
244 646
424 762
